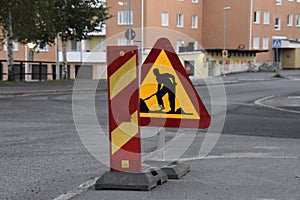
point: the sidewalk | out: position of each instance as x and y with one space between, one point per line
45 87
65 86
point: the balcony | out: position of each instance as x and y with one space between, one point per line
84 56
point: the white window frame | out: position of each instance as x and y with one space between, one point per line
290 19
297 20
256 19
165 19
266 17
122 17
265 42
278 2
277 26
180 20
194 1
256 42
195 21
291 0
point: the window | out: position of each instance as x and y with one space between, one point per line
298 1
278 2
291 0
189 67
180 46
85 45
122 41
123 17
15 46
257 17
290 20
75 45
102 45
256 43
44 49
298 20
165 19
194 21
277 24
265 42
194 1
179 20
266 17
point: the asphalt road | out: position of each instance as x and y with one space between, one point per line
246 117
42 156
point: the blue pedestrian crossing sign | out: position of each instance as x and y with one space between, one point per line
276 43
225 54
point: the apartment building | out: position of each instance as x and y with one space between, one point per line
29 70
178 20
86 56
270 26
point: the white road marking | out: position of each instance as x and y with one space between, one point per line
81 188
241 155
267 148
259 102
293 97
264 199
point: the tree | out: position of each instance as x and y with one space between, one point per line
7 16
41 21
77 18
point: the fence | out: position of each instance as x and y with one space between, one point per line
38 70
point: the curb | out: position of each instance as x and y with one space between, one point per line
195 82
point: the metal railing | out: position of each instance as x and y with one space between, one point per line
18 73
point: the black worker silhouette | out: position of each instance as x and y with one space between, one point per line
166 84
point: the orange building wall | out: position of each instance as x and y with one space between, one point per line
282 12
237 23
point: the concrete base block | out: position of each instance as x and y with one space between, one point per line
174 170
177 170
160 175
131 180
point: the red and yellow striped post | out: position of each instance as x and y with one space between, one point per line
123 107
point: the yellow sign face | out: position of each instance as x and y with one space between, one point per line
162 94
225 54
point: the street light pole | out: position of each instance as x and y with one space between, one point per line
224 39
31 47
225 9
128 21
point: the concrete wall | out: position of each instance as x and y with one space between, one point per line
288 58
233 64
297 62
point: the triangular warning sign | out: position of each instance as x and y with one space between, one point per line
167 96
